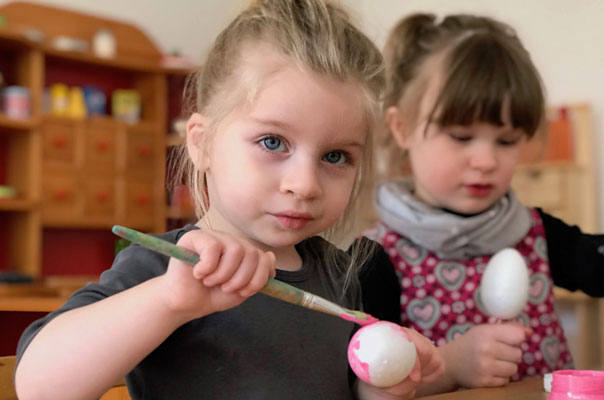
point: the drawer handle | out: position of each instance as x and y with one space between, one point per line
142 199
103 145
102 197
535 173
61 194
144 151
59 142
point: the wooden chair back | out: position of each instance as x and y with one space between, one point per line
7 371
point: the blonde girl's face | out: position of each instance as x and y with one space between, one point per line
283 169
465 169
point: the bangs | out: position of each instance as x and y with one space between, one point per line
488 77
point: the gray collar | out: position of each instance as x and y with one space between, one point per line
448 235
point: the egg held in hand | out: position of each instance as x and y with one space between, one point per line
381 354
505 284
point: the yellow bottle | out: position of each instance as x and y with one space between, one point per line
77 105
59 101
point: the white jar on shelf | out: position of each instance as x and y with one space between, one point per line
103 44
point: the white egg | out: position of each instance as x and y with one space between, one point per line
505 284
381 354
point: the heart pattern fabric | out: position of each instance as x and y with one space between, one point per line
440 298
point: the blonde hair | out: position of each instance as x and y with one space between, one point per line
316 36
483 67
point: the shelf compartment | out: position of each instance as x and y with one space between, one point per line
15 169
12 124
16 204
18 233
77 251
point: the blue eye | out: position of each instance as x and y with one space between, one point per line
335 157
272 143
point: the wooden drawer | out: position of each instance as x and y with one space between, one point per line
140 153
59 142
60 198
140 203
99 199
100 147
542 187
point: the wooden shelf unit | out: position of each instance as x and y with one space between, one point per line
565 188
80 176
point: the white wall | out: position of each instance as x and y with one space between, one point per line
564 36
188 25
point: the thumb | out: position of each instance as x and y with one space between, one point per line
416 375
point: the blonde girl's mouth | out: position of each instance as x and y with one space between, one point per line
293 220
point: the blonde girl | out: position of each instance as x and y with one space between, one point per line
277 148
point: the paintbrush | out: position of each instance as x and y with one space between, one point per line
273 287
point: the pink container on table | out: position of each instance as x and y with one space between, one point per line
577 384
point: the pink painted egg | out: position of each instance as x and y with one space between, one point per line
381 354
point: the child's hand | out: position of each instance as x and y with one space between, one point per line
429 367
486 355
432 364
401 391
230 270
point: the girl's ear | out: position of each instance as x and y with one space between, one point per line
396 123
197 128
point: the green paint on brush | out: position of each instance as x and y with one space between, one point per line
273 287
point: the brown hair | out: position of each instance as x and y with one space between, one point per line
314 35
483 65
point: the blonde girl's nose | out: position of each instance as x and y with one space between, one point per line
302 180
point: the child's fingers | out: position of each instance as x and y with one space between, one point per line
232 255
431 362
207 246
504 369
433 371
509 353
511 334
407 387
416 374
244 272
271 259
494 381
264 270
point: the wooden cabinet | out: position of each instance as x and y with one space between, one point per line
19 162
566 187
76 178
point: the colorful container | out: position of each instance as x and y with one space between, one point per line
577 384
16 102
126 105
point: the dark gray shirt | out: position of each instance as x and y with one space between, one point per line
263 349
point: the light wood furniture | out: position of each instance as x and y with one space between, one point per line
583 322
7 387
565 188
526 390
80 175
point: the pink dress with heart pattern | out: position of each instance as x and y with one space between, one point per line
440 298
